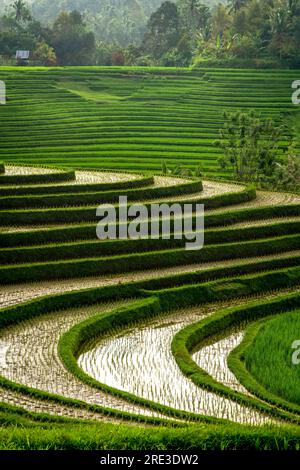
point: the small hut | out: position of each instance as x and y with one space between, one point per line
22 57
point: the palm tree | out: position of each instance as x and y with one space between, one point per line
236 5
21 11
221 20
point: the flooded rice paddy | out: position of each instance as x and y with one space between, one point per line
140 361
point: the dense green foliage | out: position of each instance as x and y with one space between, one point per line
112 21
67 42
156 32
250 146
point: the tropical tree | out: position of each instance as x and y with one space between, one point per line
22 12
45 54
163 31
250 145
195 15
287 174
73 44
279 23
221 20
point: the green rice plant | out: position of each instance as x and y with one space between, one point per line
87 232
77 214
37 179
139 182
150 99
87 198
97 249
153 260
103 436
270 373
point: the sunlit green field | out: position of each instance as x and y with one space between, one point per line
131 118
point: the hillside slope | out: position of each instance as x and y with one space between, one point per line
133 118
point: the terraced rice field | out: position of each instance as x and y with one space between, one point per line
138 334
138 362
131 118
